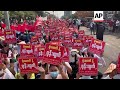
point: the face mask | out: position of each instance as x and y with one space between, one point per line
54 74
1 72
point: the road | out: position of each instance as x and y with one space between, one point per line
112 47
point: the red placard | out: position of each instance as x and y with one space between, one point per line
10 36
77 44
28 65
26 50
66 55
97 46
87 39
88 66
118 64
3 56
67 41
81 32
54 37
39 52
53 54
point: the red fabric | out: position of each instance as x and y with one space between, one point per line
12 27
22 29
3 25
19 27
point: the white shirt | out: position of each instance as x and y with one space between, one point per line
101 60
7 75
107 77
117 23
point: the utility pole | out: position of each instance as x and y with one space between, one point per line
7 21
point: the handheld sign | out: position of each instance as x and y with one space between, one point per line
66 55
77 44
39 52
26 50
53 54
10 37
87 39
98 16
28 65
88 66
118 64
97 46
67 41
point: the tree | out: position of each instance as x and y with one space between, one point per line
84 14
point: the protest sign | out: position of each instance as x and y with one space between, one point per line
67 41
26 50
10 36
53 54
39 52
66 55
88 66
87 39
77 44
28 65
81 33
118 64
97 46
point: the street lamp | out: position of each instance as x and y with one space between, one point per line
7 22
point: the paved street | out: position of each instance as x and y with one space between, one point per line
112 48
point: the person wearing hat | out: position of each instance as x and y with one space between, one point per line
73 63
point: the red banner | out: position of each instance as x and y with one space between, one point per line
88 66
97 46
28 65
77 44
53 54
26 50
66 55
10 36
118 64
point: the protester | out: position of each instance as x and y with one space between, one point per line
5 73
92 28
56 72
100 31
10 53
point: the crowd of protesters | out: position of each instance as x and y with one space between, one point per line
9 66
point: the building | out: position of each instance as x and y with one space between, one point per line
67 13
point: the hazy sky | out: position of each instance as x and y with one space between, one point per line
58 13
